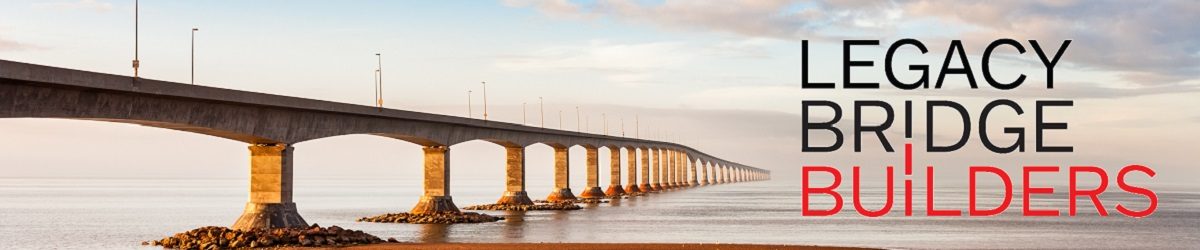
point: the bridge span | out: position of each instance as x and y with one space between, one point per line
271 124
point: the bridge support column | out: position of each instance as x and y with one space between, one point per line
632 162
725 171
514 182
437 183
645 184
614 173
270 204
664 174
669 179
657 167
692 170
593 175
562 176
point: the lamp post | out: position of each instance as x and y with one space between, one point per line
604 118
379 84
524 121
194 55
542 110
136 62
637 126
560 119
484 100
469 112
578 125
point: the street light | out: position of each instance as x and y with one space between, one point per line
524 121
604 117
484 100
136 62
379 81
542 110
578 125
469 112
194 55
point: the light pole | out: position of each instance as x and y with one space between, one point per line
524 121
578 125
484 100
622 126
469 112
194 55
559 119
604 117
379 82
542 110
136 62
637 126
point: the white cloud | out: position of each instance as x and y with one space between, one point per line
621 63
1149 43
92 5
10 45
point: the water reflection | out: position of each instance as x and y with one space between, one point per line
434 233
514 224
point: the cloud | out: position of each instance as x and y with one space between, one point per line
10 45
1147 43
787 19
621 63
92 5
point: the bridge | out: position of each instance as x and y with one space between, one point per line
271 124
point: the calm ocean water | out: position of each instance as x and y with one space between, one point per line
118 214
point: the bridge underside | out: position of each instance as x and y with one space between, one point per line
271 124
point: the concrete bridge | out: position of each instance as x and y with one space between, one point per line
271 124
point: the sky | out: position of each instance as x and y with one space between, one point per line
721 76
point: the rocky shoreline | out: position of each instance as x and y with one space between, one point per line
213 237
514 207
433 218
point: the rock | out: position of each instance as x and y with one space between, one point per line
224 238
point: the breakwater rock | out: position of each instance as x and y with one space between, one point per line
433 218
513 207
224 238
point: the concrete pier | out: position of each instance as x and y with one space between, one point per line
562 176
437 183
593 175
514 181
270 204
632 162
725 173
655 184
664 182
645 183
672 169
614 173
692 178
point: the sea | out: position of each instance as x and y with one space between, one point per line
38 213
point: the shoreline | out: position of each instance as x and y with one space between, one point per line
583 246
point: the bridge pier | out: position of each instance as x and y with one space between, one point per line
593 175
670 183
437 183
664 167
645 186
614 173
562 176
704 173
270 204
655 183
514 181
692 173
632 162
